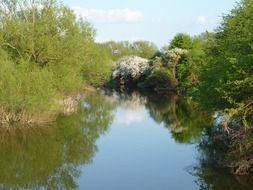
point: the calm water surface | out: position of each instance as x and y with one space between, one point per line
117 142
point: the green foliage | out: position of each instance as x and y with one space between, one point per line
227 78
188 71
227 84
160 76
98 68
178 65
181 40
43 32
45 53
25 87
164 72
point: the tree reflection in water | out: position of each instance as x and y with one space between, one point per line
49 157
208 171
180 115
189 124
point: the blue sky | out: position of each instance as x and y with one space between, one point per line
153 20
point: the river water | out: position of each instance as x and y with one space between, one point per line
118 142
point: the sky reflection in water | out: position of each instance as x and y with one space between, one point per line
126 142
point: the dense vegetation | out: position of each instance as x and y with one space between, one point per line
44 47
227 83
229 70
216 70
175 68
47 53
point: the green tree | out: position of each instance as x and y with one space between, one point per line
46 53
227 80
188 71
181 40
227 84
98 68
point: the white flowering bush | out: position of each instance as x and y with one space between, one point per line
175 54
130 67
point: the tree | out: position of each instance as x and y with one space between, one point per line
98 68
181 40
227 84
43 32
47 53
227 78
174 57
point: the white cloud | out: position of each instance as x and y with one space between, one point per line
110 15
201 20
128 117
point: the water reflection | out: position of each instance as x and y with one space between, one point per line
49 157
53 157
188 124
209 174
211 178
181 116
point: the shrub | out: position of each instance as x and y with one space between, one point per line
26 93
130 68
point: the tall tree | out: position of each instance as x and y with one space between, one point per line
227 78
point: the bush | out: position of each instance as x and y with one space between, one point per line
130 69
26 93
97 70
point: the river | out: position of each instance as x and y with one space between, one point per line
118 142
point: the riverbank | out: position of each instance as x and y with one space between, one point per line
66 105
237 144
